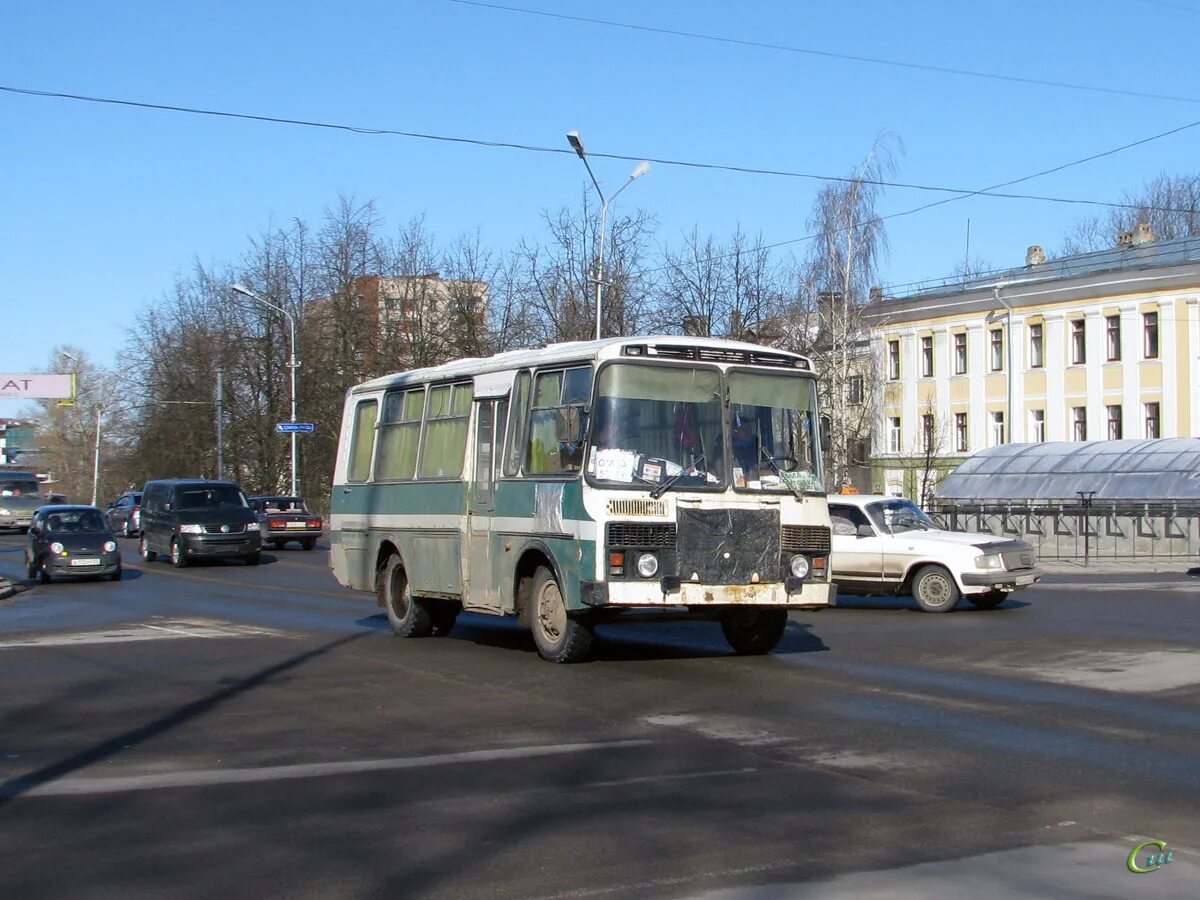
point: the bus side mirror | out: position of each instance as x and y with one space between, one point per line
568 425
826 444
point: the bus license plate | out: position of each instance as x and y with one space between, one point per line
85 562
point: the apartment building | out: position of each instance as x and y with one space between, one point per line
1099 346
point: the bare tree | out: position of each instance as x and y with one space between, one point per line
826 320
1169 204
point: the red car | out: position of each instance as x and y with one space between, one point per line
284 519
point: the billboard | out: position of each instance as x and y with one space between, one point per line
37 387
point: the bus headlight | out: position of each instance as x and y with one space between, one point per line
647 565
799 566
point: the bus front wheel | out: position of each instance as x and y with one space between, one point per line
407 615
752 631
558 637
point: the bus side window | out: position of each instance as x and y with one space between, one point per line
516 431
362 440
548 456
446 431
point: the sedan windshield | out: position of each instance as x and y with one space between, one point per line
898 516
773 435
657 426
75 521
222 497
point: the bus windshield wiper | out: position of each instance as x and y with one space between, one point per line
670 482
799 495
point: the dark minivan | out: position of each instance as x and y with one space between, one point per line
190 519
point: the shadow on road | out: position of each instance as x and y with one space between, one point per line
15 787
907 604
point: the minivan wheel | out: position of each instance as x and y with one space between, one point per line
147 554
407 616
178 559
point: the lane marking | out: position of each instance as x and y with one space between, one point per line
171 629
220 777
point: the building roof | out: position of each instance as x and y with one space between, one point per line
1160 265
1150 470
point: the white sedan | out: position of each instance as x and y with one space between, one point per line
887 545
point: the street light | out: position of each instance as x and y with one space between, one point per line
292 364
639 170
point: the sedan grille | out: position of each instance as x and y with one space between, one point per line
1015 560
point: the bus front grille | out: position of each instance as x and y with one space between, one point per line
641 534
805 539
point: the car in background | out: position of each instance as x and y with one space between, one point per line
20 495
124 514
72 541
191 519
887 545
284 519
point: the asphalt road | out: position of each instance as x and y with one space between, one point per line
226 731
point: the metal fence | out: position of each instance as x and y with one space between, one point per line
1071 529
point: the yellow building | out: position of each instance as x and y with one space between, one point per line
1098 346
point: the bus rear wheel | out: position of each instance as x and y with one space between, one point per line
407 615
752 632
558 637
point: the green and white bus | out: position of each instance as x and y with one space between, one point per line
579 483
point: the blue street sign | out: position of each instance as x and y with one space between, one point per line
288 427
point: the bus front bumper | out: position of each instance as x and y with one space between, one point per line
655 593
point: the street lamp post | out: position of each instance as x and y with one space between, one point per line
292 364
639 170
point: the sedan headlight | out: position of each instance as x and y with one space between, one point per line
254 526
799 566
110 546
647 565
989 561
5 512
56 547
192 528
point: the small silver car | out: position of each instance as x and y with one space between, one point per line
887 545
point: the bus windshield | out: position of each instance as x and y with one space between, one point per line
657 426
772 432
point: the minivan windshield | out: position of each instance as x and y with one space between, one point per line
657 426
215 497
18 488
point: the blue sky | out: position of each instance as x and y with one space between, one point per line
103 207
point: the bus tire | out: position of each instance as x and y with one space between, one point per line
934 590
408 616
558 637
443 614
753 631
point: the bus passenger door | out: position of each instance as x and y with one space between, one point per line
483 589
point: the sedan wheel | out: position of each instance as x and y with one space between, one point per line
934 590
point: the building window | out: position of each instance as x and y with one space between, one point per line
1112 331
997 429
960 353
1152 421
894 360
961 443
927 357
1114 422
1078 350
1037 425
997 345
855 390
894 434
1037 358
1150 332
927 433
1079 423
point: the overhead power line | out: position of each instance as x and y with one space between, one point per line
532 148
829 54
